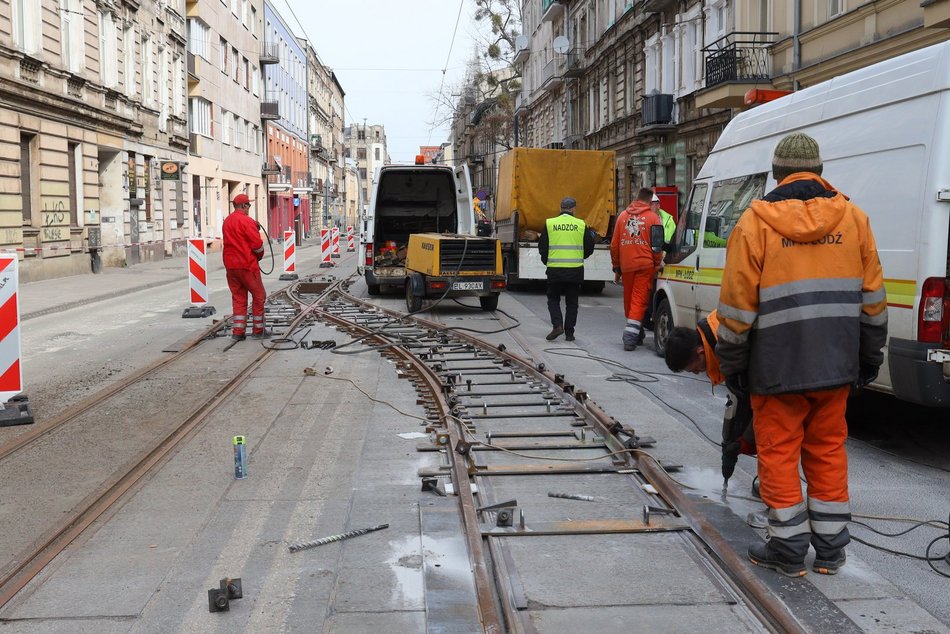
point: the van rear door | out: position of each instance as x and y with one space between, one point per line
463 201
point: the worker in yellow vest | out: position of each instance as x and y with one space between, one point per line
564 245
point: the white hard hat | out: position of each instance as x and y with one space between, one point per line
656 198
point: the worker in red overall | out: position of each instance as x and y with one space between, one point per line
243 249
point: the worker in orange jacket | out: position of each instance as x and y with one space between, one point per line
803 316
636 256
694 350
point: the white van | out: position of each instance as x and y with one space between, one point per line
884 134
408 199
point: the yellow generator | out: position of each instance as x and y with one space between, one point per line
447 265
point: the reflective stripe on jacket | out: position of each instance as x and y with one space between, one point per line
565 241
802 299
630 248
241 240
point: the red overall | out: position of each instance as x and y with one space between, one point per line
243 248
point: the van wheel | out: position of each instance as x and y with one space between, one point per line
662 325
374 289
413 301
489 302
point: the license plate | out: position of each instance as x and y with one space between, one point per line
467 286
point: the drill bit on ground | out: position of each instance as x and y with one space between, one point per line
334 538
572 496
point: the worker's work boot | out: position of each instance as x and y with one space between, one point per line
569 335
631 335
556 332
765 556
829 563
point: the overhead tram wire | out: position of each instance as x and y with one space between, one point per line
444 69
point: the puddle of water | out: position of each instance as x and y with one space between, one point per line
448 555
406 566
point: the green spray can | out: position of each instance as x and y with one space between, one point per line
240 457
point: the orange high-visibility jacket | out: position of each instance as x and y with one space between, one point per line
709 347
802 300
630 246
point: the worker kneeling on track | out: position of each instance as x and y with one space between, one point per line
695 351
802 317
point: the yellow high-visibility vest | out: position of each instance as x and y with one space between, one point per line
565 241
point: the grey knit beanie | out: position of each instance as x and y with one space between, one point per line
797 152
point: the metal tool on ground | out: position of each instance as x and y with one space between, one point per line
572 496
240 457
219 599
334 538
504 512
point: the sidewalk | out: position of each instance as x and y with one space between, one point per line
61 293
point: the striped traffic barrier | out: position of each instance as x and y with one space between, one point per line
350 239
198 280
325 249
336 242
16 407
290 255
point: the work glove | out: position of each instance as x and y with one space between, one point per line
617 277
866 374
738 384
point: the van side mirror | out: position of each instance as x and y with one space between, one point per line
656 238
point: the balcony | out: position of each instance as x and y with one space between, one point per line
576 62
270 107
316 143
656 116
476 159
270 53
733 62
656 6
551 77
551 10
192 64
936 14
521 53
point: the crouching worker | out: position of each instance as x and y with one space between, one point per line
695 351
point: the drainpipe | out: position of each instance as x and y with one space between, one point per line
796 42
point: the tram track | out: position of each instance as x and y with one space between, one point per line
527 413
150 437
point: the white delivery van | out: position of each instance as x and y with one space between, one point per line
408 199
884 134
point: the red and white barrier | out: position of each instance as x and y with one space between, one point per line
197 271
350 239
290 251
336 242
11 373
198 280
325 248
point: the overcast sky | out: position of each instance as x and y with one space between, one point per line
388 55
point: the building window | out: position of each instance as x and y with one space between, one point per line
246 73
128 61
178 84
27 150
74 167
255 81
199 38
835 8
148 71
108 67
225 127
254 21
72 35
164 70
200 116
376 153
27 25
361 153
234 64
223 55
